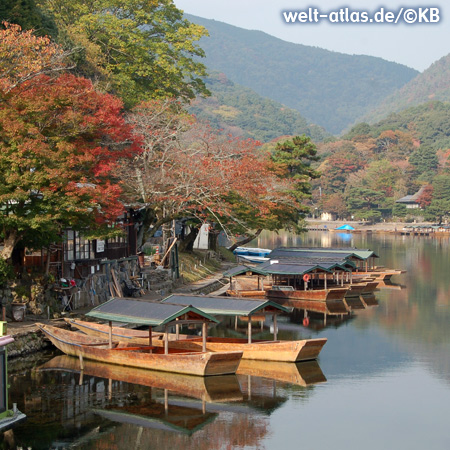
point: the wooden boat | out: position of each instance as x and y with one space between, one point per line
211 389
379 274
287 351
145 357
246 293
318 295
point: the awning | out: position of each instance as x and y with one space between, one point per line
226 306
147 313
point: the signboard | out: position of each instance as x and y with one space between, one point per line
100 246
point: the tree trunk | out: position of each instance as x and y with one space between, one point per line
187 244
9 243
245 241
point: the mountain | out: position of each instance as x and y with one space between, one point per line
328 88
432 84
242 112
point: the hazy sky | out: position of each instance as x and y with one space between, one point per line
416 46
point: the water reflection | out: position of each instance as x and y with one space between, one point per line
103 403
414 310
387 367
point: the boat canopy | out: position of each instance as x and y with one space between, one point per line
243 270
292 267
148 313
315 253
227 306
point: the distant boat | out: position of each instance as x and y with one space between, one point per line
252 254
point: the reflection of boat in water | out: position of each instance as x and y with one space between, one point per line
288 351
390 285
147 357
211 389
168 417
302 374
370 300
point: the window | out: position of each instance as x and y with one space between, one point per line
77 247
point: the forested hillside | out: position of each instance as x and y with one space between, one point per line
242 112
328 88
371 167
432 84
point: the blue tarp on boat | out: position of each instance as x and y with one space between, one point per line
345 227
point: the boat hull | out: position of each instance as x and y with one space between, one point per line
318 295
285 351
189 363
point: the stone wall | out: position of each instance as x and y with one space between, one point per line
27 342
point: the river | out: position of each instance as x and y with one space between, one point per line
382 380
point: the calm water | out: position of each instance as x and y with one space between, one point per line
382 382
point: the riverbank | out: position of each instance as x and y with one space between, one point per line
28 339
382 227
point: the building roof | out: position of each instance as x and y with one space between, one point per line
146 312
411 199
225 306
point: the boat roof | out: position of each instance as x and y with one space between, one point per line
147 312
292 267
226 306
312 252
243 269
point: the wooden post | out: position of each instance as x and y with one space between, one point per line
342 279
110 334
81 361
177 330
150 338
204 333
249 329
166 340
275 328
325 319
325 282
166 401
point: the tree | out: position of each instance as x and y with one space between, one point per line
28 15
24 56
382 176
439 206
360 201
187 169
292 160
59 140
138 49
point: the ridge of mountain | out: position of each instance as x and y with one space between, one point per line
432 84
240 111
328 88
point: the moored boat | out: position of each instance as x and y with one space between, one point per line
287 351
142 356
320 295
